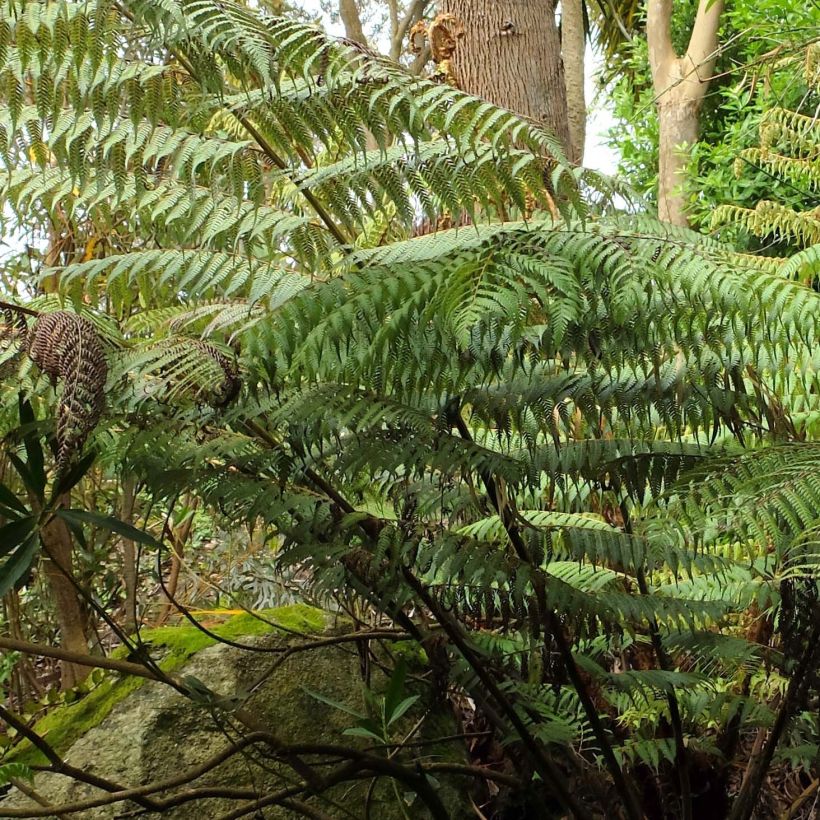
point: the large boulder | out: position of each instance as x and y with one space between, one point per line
136 732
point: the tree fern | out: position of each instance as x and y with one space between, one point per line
527 430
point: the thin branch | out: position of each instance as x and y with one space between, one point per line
681 756
744 804
61 767
541 760
26 789
480 772
276 799
19 309
98 662
355 637
171 783
414 13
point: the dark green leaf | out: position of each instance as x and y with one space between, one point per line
10 502
110 523
395 689
31 441
368 730
402 708
335 704
19 563
74 475
33 485
13 534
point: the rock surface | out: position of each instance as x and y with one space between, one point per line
154 734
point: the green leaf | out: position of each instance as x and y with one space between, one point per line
402 708
35 460
110 523
364 731
74 475
335 704
395 688
352 519
14 533
17 771
18 565
9 501
29 479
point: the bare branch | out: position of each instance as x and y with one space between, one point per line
61 767
415 12
95 661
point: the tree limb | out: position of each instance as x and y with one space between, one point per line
414 13
61 654
61 767
659 38
703 43
349 12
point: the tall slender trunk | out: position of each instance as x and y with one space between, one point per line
510 54
573 46
179 537
56 539
129 554
71 615
680 84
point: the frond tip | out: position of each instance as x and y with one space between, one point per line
66 346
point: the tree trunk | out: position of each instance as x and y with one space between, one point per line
352 21
510 54
680 84
71 616
573 45
179 537
55 536
129 555
679 123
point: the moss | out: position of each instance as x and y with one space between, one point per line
66 724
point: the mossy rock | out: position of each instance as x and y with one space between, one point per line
135 731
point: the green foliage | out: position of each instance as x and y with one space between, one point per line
788 151
760 67
520 438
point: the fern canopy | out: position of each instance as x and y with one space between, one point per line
390 324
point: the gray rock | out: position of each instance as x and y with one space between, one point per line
156 734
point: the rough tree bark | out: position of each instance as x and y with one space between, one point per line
510 54
680 84
573 45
